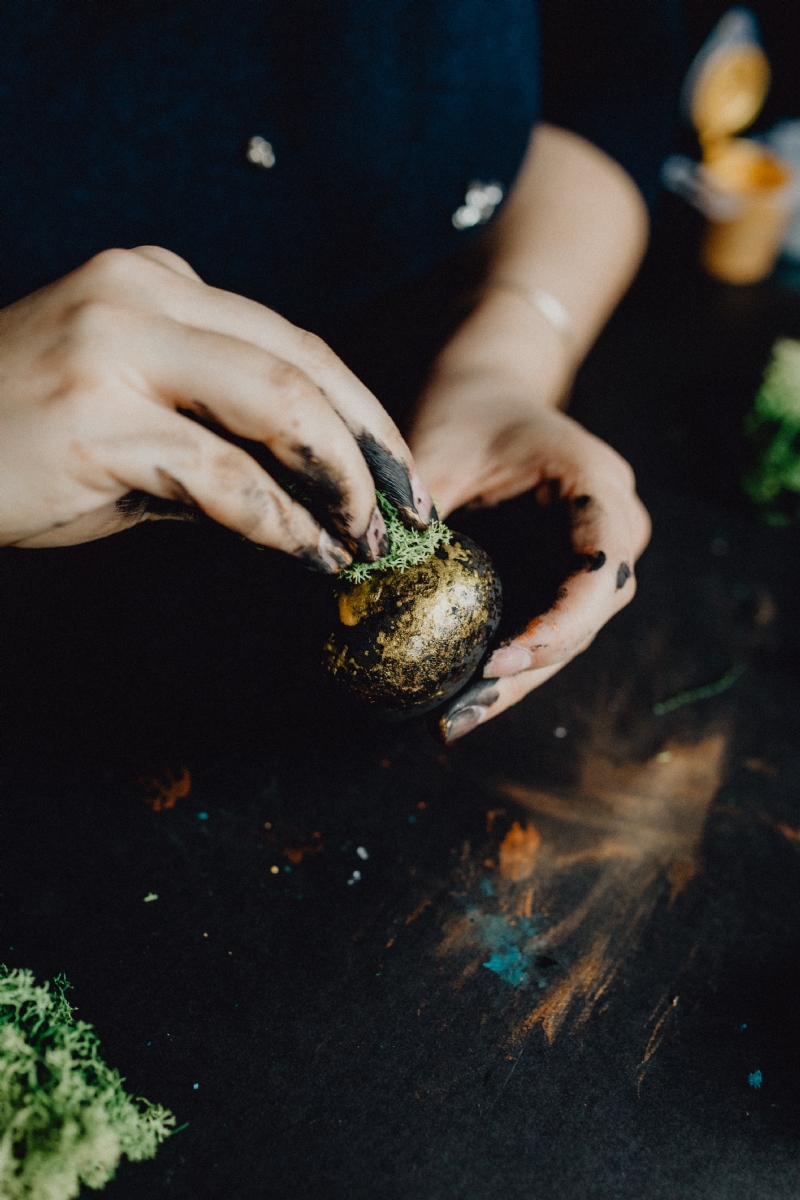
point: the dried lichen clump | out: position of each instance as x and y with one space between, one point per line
409 637
65 1118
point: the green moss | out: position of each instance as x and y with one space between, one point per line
407 547
773 425
65 1118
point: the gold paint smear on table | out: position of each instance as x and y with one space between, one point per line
624 830
518 852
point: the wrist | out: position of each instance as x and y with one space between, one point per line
507 344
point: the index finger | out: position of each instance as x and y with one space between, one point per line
182 296
608 534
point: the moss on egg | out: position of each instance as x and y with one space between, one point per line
408 637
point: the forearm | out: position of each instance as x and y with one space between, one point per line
575 226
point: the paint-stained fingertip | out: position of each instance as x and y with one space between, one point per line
375 542
419 515
461 723
329 556
468 711
406 491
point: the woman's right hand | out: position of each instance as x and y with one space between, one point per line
95 370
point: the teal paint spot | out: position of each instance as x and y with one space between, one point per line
412 820
755 1079
486 887
202 816
741 1028
510 966
511 942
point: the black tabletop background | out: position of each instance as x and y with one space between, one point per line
632 878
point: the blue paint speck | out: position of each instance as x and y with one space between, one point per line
741 1028
202 816
510 965
195 1086
755 1079
486 887
511 944
288 870
412 820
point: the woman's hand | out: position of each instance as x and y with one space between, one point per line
97 372
479 441
488 425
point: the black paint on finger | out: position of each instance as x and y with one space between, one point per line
593 562
623 575
464 721
318 476
468 710
392 478
375 542
329 556
137 506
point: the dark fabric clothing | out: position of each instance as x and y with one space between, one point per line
127 123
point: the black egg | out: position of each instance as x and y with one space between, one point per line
407 640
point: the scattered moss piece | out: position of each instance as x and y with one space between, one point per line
701 693
407 547
65 1118
773 425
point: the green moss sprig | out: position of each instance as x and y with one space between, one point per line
773 424
65 1118
407 547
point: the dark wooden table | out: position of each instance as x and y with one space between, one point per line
561 958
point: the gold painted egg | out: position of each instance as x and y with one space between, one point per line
407 640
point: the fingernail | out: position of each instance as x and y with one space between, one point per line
375 542
408 494
423 501
460 723
508 660
332 553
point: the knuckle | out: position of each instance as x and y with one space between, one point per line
166 258
110 267
229 466
236 476
86 353
293 384
93 321
315 351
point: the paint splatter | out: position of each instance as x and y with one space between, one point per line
755 1079
761 766
791 835
511 942
162 794
594 866
509 965
627 830
659 1022
518 852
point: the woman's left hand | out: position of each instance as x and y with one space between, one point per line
472 445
